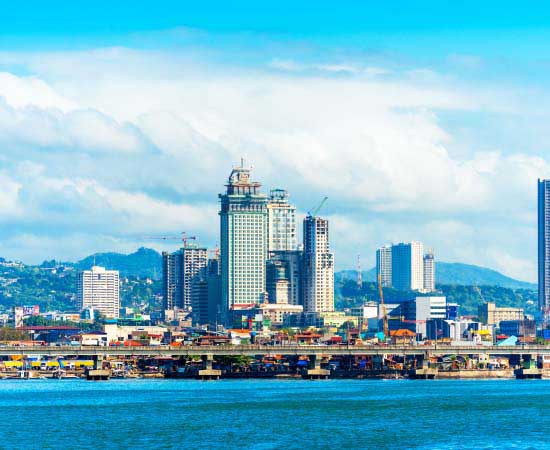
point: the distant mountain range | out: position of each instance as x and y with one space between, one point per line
455 274
146 262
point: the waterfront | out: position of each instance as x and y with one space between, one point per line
270 414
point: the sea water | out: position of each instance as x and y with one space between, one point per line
277 414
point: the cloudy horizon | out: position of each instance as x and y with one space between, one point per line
109 137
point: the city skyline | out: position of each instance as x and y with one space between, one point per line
135 121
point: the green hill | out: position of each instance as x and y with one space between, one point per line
454 274
145 262
348 294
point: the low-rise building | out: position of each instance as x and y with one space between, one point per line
153 334
276 313
490 314
330 319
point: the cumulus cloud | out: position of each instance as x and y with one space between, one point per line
148 147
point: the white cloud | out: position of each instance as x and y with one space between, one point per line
120 140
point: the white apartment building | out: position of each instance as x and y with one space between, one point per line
429 272
281 222
99 289
318 267
383 265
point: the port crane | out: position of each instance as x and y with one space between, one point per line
383 306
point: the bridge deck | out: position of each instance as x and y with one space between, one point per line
252 350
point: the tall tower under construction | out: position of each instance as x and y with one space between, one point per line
318 266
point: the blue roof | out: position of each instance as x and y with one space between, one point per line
512 340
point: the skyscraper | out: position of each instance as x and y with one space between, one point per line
318 266
408 266
169 280
99 289
281 222
205 294
243 230
544 247
429 272
383 265
178 271
194 260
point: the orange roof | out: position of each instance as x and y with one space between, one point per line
403 332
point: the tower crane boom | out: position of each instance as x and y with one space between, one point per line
318 208
383 306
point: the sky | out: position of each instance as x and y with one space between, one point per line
121 121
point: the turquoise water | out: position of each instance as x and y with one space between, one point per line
262 414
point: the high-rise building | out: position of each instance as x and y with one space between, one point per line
169 280
99 289
243 230
544 247
281 222
194 260
318 267
214 292
199 298
292 259
429 272
179 270
408 266
383 265
205 294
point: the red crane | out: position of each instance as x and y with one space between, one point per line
184 238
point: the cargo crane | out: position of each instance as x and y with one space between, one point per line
383 306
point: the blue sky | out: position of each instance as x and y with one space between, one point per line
425 121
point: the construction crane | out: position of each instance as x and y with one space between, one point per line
184 238
215 252
359 274
318 208
478 290
383 306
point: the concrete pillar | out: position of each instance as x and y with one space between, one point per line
98 362
208 373
315 372
314 362
207 361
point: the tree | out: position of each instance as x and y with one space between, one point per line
13 334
